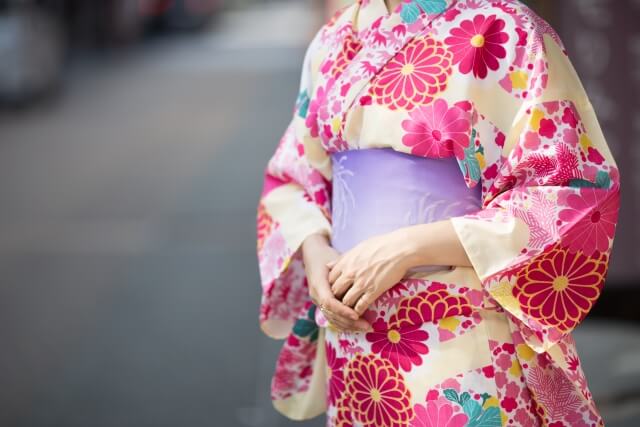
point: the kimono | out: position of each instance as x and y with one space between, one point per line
489 83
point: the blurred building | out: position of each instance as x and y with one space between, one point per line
37 35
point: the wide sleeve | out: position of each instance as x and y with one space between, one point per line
541 241
294 203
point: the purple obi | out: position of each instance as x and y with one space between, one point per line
377 190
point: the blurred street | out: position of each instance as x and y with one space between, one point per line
129 290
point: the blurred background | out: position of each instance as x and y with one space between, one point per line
133 136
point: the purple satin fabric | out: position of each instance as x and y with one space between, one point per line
377 190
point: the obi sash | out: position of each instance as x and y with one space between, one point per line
378 190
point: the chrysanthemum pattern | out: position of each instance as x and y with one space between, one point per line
430 306
379 395
403 346
437 130
558 287
335 373
477 44
414 76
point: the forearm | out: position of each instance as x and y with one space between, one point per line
435 243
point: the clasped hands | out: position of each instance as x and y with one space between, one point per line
344 285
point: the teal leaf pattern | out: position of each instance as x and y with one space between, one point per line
451 395
307 327
579 182
472 409
432 6
489 418
478 417
603 180
464 397
302 104
469 164
411 10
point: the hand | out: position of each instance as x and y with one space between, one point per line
359 276
316 253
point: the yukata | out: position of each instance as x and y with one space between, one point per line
488 86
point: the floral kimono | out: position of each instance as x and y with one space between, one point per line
489 83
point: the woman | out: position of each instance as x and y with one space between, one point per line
435 222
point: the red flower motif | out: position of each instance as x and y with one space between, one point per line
414 76
547 128
557 288
379 396
477 45
438 414
350 47
429 306
591 216
335 373
265 224
437 130
509 404
402 346
343 416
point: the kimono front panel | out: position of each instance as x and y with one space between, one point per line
491 84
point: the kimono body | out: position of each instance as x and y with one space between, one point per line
488 85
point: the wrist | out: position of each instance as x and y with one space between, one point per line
415 248
319 238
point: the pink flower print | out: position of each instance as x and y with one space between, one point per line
547 128
414 76
437 130
437 414
569 117
402 346
531 140
314 110
477 45
335 367
591 228
509 404
595 156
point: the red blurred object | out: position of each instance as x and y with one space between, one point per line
154 7
180 14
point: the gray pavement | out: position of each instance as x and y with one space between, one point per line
129 284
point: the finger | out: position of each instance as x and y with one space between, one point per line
334 272
341 285
359 325
332 263
337 323
331 303
363 303
353 294
339 309
337 320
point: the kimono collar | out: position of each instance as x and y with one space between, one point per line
365 50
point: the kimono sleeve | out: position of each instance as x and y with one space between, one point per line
294 203
541 242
